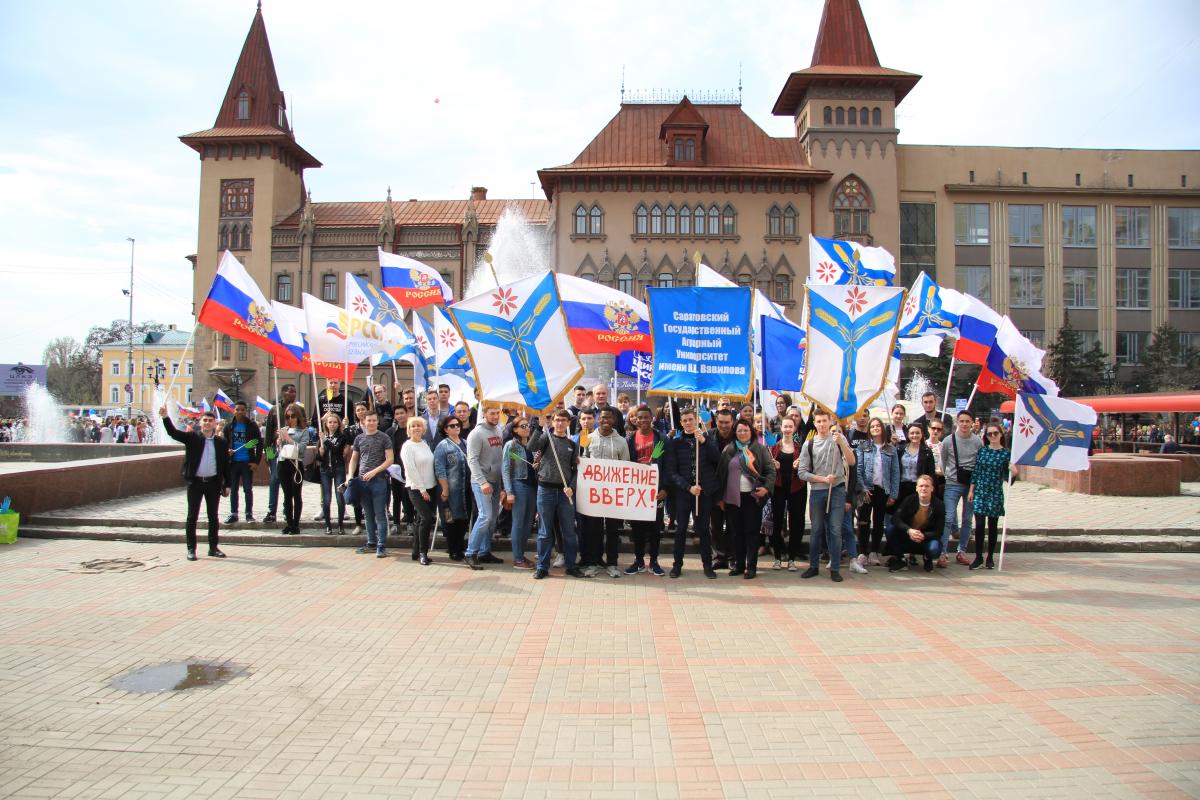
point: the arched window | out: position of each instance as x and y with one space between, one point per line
589 276
876 118
698 220
789 221
729 221
625 282
580 220
243 105
671 220
223 238
597 220
714 220
246 236
852 211
666 280
774 218
863 118
841 116
783 287
828 117
745 280
656 220
640 221
852 116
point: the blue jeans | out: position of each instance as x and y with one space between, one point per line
849 535
241 477
826 524
480 541
374 502
273 487
954 492
524 504
555 509
330 480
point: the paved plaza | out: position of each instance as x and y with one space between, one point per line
1062 676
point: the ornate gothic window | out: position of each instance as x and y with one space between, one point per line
656 220
597 217
640 221
714 220
698 220
774 222
828 115
789 221
729 221
672 218
243 105
237 197
852 211
581 222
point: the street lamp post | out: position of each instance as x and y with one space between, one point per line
237 384
129 392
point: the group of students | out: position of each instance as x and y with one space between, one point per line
906 488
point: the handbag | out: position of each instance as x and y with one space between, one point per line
353 491
290 452
312 472
963 476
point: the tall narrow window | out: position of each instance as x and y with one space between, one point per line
714 221
329 288
656 220
789 221
625 282
827 117
597 217
243 106
685 221
876 118
852 116
226 348
841 116
640 220
783 287
243 351
852 211
774 221
581 220
672 218
698 217
728 220
283 287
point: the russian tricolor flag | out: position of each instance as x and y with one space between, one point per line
601 319
411 283
222 401
262 405
1014 364
235 306
977 327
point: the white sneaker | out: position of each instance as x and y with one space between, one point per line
874 560
591 572
613 572
777 565
560 561
857 568
861 559
792 566
358 530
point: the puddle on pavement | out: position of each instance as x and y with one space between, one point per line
176 676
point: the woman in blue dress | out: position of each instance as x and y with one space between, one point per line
987 491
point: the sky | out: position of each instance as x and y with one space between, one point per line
433 98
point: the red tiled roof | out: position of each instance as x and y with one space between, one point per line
843 54
842 37
734 144
418 212
254 74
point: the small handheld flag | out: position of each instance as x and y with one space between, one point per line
261 405
222 401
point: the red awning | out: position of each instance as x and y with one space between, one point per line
1151 403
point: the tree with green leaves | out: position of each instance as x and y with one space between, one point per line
1078 372
72 374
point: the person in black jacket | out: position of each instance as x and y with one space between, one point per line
643 444
245 451
206 470
745 478
691 466
916 527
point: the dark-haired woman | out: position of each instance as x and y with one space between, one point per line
745 477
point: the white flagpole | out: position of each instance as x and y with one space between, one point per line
345 391
974 389
278 410
1004 529
949 381
182 361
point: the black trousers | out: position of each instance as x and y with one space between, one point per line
456 536
992 523
208 489
879 510
745 531
789 504
400 501
291 481
685 507
601 540
426 511
717 530
647 533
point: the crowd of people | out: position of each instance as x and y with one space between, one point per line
109 430
734 485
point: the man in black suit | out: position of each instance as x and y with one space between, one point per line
206 470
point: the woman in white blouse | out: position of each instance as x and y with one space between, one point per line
417 460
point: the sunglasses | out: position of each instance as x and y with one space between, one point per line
936 428
453 425
995 433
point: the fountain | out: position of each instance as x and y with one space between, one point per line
45 423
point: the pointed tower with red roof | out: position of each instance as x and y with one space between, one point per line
251 177
844 108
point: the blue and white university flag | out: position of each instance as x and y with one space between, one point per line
516 338
851 338
420 353
449 353
701 341
834 262
783 354
1052 432
931 313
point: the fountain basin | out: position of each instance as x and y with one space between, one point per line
36 486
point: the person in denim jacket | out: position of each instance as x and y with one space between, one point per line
450 467
879 475
520 488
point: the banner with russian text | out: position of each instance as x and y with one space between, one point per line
617 489
701 339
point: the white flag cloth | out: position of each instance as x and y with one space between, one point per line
335 334
851 339
1052 432
833 262
516 338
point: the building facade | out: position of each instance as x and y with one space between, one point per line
157 357
1109 237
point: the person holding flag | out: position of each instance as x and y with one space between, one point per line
692 460
556 482
647 446
287 396
825 461
245 451
206 470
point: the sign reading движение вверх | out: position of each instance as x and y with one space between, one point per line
617 489
701 340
